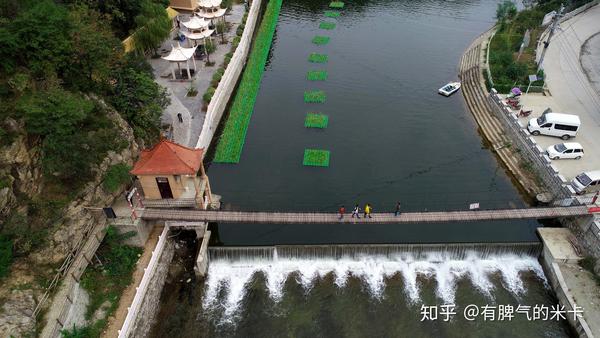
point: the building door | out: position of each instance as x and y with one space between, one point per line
164 187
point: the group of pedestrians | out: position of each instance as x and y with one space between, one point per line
366 211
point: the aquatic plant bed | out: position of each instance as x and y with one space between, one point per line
316 75
316 158
327 25
332 14
336 4
232 139
320 40
318 58
314 96
316 120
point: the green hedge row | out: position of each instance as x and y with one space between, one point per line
232 139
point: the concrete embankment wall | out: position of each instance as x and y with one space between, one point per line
530 150
551 264
220 99
142 312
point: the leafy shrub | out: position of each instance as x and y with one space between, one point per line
6 255
116 176
208 94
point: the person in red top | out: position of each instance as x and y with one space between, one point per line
342 211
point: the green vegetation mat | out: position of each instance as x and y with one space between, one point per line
316 120
314 96
232 139
316 75
320 40
336 4
316 158
327 25
318 58
332 14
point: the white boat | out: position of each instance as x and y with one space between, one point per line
449 89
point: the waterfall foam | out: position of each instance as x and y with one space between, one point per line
230 272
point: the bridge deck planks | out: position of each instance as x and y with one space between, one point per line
379 218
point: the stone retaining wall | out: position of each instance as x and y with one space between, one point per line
228 82
531 151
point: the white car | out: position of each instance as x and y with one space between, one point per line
565 150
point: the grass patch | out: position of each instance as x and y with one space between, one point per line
327 25
116 176
316 158
316 120
314 96
318 58
320 40
336 4
316 75
232 139
107 281
332 14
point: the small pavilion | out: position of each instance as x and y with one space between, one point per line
210 9
197 29
180 54
169 171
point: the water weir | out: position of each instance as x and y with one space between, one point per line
231 269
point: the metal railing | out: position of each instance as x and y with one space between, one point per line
530 150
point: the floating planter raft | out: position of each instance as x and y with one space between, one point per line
314 96
318 58
316 158
327 25
320 40
336 4
332 14
316 75
316 120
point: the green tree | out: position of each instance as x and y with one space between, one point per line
153 27
42 36
140 101
54 112
95 50
506 10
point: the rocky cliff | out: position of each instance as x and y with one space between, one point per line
22 180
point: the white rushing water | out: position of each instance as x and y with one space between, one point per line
229 278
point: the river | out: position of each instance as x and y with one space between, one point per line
392 138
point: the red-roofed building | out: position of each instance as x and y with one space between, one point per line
174 172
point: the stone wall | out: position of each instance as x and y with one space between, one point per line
146 315
228 82
587 231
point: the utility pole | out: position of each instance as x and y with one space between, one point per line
555 21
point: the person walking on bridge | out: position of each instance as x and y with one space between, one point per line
367 210
342 211
356 211
397 212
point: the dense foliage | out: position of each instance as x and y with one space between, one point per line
116 176
57 59
507 67
232 139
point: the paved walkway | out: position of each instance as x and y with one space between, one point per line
188 131
570 89
377 218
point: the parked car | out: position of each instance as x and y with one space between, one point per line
564 126
586 182
565 150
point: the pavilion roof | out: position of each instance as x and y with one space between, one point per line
209 3
180 54
195 22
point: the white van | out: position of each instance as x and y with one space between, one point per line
564 126
588 181
565 150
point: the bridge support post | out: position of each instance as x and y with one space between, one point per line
201 267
